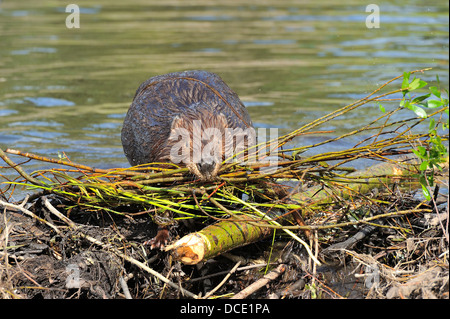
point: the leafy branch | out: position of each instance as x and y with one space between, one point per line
435 152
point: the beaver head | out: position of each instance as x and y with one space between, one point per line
199 141
191 118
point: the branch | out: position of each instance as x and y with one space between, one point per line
20 170
260 282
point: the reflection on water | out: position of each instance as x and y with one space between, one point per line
48 101
67 90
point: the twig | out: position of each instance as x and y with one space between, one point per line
80 167
56 161
226 271
350 241
19 169
260 282
29 213
224 280
55 212
125 289
4 239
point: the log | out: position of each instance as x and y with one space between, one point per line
216 239
365 180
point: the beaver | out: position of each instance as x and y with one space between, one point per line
199 108
195 105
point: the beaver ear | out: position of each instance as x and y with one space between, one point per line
177 122
221 117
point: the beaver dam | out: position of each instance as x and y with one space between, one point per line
311 227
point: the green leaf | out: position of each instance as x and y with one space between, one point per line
432 104
382 109
417 153
423 166
422 84
435 91
422 151
405 83
416 84
419 111
421 98
432 124
402 102
426 192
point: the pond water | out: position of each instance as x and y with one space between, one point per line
66 90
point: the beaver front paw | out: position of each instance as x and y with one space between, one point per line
160 240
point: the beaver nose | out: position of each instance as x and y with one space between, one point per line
206 168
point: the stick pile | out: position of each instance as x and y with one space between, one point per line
301 196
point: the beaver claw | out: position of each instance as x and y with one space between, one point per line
160 240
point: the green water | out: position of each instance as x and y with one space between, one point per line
67 90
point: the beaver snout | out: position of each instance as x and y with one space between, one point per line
206 168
